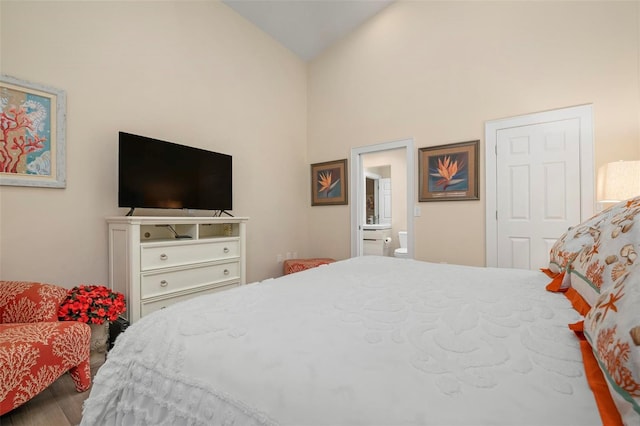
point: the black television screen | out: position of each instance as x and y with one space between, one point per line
158 174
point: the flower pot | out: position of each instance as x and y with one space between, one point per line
99 337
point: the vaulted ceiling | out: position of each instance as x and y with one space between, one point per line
307 27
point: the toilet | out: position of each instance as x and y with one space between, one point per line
402 251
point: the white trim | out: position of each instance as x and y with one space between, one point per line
582 112
357 188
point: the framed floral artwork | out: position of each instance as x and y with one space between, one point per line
32 134
329 183
449 172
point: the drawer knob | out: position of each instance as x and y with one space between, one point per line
226 272
226 250
164 283
163 256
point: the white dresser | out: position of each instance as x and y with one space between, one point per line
154 269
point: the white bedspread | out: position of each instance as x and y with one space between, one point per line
366 341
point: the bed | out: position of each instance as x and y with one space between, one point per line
378 341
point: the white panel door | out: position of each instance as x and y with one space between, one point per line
384 198
538 190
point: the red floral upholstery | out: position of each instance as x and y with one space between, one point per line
35 348
296 265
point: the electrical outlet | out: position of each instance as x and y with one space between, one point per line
288 255
279 258
295 255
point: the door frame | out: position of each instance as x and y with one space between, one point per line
357 191
584 113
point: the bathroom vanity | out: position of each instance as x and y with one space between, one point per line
375 237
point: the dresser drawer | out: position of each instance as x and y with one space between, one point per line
158 284
155 305
163 256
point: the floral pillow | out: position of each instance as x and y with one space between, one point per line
612 327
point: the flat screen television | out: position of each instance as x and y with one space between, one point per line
159 174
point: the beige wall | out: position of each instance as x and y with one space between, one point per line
198 74
189 72
437 71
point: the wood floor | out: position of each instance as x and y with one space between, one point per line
58 405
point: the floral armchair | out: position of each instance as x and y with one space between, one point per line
35 348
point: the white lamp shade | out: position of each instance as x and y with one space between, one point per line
618 181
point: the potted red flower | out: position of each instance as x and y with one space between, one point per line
91 304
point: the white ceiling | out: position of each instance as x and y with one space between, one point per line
307 27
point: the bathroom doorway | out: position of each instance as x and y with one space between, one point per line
382 193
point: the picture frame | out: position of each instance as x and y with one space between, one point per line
449 172
329 183
32 134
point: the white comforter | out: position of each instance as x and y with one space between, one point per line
366 341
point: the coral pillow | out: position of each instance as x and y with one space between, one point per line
22 301
599 257
607 259
569 246
296 265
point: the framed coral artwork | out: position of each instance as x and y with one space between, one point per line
329 183
32 134
449 172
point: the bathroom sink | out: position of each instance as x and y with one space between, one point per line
376 226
